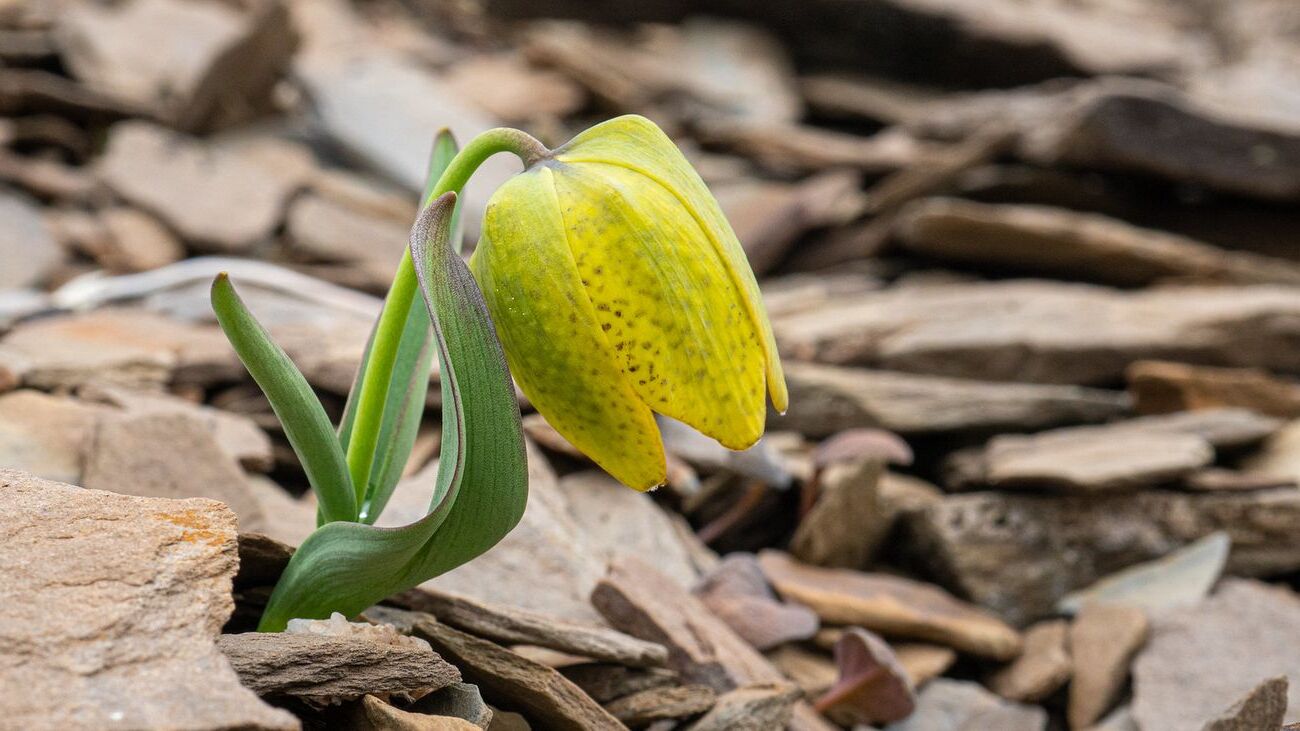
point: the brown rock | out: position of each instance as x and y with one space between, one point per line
460 700
511 90
1263 707
755 707
957 704
813 672
791 148
605 682
121 347
124 457
1042 668
504 677
1017 555
372 714
1160 387
643 602
1182 578
217 198
29 254
616 521
643 708
1103 641
737 592
827 399
542 565
872 686
323 669
1045 332
891 605
1046 241
1201 660
136 589
45 435
1099 126
923 662
136 242
325 228
1123 455
847 524
511 626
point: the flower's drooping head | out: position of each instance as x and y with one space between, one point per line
619 289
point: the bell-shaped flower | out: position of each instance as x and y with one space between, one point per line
618 290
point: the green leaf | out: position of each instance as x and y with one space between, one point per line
482 481
407 385
295 404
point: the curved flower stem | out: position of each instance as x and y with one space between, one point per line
388 332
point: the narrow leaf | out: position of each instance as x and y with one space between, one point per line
296 406
482 478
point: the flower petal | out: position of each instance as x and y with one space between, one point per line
556 350
636 143
664 298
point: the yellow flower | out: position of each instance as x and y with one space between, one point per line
619 289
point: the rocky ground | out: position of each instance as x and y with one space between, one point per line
1033 266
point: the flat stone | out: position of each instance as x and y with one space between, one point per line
617 521
29 253
1182 578
1246 633
225 66
124 457
1103 641
848 523
953 705
1097 129
754 707
372 714
1018 555
123 347
1123 455
891 605
135 590
645 603
1046 332
45 435
239 436
1043 667
606 682
924 662
827 399
509 679
872 686
216 197
324 228
1055 242
813 672
1160 387
1263 707
323 668
639 710
459 700
510 89
512 626
737 592
769 217
136 241
541 566
383 109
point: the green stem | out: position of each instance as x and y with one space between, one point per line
392 319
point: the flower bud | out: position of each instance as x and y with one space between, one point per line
618 290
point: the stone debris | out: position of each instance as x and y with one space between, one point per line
1044 666
1103 640
738 593
1244 631
136 588
892 606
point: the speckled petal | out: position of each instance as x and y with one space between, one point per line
664 298
635 143
553 340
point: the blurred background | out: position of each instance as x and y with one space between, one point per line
1034 267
